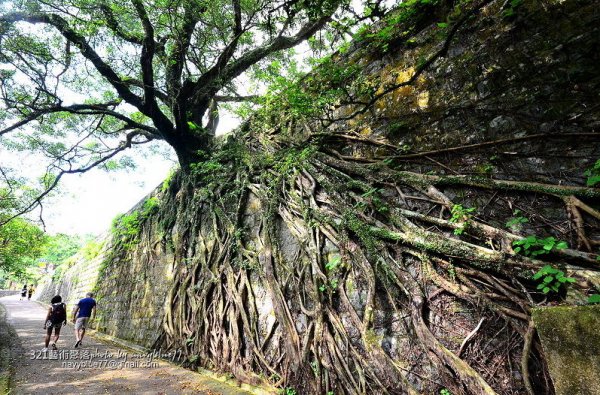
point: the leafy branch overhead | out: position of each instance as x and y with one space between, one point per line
166 59
105 76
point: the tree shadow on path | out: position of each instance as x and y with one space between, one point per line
94 367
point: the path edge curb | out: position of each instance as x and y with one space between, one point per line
7 349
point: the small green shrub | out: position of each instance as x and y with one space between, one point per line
594 299
126 225
533 246
91 249
551 279
126 228
462 216
150 207
398 24
331 285
512 8
167 181
593 174
516 221
333 263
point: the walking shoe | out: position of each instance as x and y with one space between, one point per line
78 343
54 346
44 349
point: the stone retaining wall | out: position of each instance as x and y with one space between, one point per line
130 292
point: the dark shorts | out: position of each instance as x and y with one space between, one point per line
50 325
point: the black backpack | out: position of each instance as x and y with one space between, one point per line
59 313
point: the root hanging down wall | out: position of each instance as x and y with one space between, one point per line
378 227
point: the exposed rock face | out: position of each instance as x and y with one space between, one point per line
572 346
361 241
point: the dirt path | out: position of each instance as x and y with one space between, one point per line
95 367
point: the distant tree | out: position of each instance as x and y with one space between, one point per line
60 247
20 243
81 80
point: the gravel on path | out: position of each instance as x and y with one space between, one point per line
93 368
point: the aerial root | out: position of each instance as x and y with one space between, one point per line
328 207
525 357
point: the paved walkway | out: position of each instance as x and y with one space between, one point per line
95 367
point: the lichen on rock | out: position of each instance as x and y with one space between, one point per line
571 342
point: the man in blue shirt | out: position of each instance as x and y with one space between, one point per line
85 309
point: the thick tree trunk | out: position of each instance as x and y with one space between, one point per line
191 147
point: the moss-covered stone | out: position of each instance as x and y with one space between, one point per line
571 340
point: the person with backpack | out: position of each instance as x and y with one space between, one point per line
55 319
30 292
85 309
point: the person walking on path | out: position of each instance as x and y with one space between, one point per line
30 292
70 372
56 318
85 309
24 292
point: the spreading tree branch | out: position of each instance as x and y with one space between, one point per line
37 201
83 109
163 124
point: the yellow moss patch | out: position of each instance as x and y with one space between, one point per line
254 206
423 99
410 97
